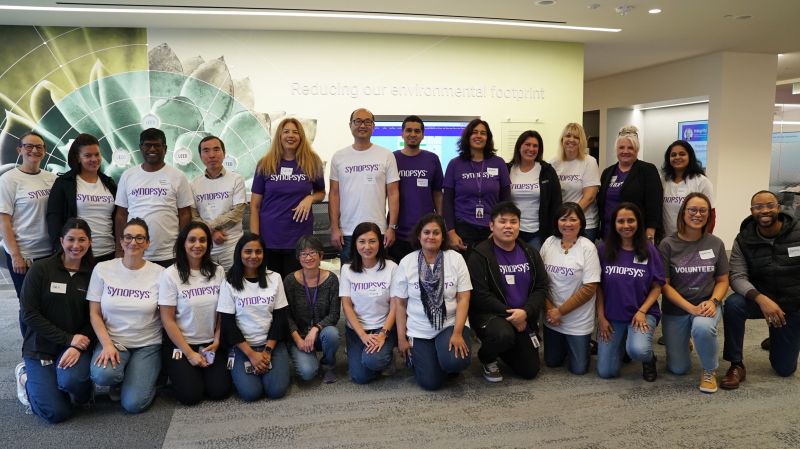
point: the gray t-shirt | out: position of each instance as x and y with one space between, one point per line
692 268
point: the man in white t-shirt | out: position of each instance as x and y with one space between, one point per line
219 200
358 175
159 194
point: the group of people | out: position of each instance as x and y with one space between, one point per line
119 284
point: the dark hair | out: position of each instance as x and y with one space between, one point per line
681 224
505 207
30 133
356 264
692 169
73 156
463 142
80 224
207 267
426 220
138 222
206 139
614 242
308 241
566 209
413 119
777 200
352 114
152 134
235 275
521 139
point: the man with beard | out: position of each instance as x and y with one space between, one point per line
765 268
159 194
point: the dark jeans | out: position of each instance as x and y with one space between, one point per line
560 347
282 261
49 388
192 383
104 257
500 339
433 360
784 341
400 249
471 235
17 279
365 366
344 255
164 263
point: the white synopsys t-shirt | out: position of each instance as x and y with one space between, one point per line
253 306
406 285
370 292
129 302
574 176
156 197
363 177
24 197
96 205
195 302
214 197
567 273
525 193
674 195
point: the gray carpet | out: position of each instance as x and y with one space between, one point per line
557 410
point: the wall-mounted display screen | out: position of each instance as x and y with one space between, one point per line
696 133
441 134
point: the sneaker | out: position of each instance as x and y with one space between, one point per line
491 372
21 376
735 375
114 393
661 340
708 381
765 344
649 372
329 375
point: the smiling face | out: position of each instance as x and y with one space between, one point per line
765 209
529 150
625 224
678 158
412 135
505 229
569 226
695 215
571 143
478 138
212 154
310 258
252 255
431 237
626 151
368 245
153 151
89 158
75 244
362 124
132 247
290 137
196 245
32 149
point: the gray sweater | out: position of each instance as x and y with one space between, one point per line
326 312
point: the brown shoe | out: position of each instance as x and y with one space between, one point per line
736 374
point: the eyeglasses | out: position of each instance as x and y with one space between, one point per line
760 207
697 210
628 133
306 255
127 238
155 146
359 122
33 146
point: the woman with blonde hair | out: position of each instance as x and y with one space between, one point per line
288 180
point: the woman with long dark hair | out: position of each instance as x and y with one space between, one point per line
683 175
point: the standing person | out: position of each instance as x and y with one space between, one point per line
366 301
579 176
219 200
765 267
253 307
534 189
627 302
58 335
683 175
288 180
631 180
123 308
313 296
159 194
431 288
358 175
474 182
509 286
697 279
86 192
420 185
187 298
573 266
23 206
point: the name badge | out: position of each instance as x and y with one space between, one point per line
369 178
287 171
510 279
707 254
638 261
422 182
794 251
58 287
492 171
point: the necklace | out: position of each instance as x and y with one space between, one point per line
566 246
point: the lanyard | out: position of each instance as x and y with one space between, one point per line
312 301
479 180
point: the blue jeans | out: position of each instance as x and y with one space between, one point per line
274 383
137 372
532 239
344 256
559 347
638 344
433 360
49 387
703 330
784 341
365 366
306 363
591 234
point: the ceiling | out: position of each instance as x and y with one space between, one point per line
684 29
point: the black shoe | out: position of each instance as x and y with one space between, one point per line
649 372
626 358
593 347
765 344
661 340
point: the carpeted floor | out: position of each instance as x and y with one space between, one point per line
556 410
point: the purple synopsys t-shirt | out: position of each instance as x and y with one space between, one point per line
612 196
474 184
515 271
281 192
420 177
627 281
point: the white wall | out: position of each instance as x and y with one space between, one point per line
660 127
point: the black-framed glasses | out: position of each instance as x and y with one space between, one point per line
127 238
359 122
155 146
760 207
697 210
33 146
307 254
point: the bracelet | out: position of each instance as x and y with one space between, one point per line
267 349
639 311
76 348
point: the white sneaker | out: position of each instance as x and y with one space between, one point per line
491 372
22 394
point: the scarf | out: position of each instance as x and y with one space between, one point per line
431 289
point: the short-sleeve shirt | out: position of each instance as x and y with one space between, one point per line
156 197
218 196
674 194
420 176
476 184
576 175
405 285
370 293
613 196
195 302
253 306
96 205
627 280
24 196
692 268
363 177
526 194
515 273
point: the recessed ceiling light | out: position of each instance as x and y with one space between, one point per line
745 17
655 11
545 2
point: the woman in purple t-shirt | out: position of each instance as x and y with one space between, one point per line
627 308
288 179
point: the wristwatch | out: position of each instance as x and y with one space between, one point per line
267 349
393 227
716 301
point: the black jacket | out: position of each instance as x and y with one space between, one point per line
488 299
550 199
63 203
643 188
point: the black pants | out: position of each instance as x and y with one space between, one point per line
192 383
164 263
283 261
400 249
471 235
500 339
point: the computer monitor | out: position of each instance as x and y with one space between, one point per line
441 133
